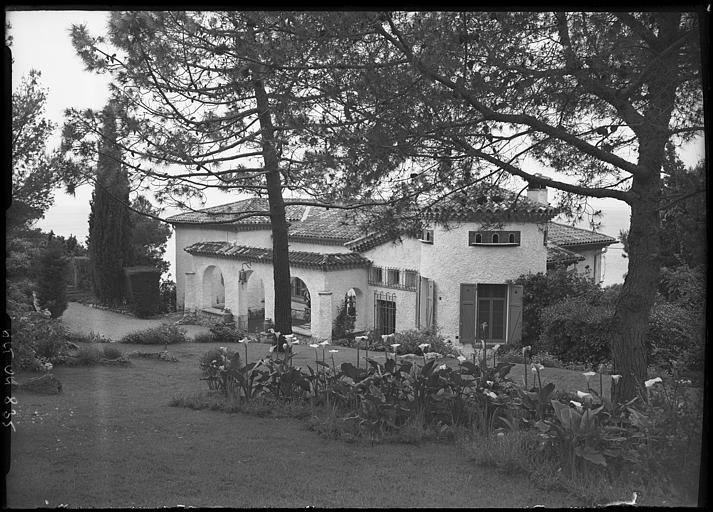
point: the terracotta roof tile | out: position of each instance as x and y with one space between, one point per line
566 236
231 213
557 255
486 202
297 258
321 223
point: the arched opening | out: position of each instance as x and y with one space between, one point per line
301 305
213 288
496 238
255 296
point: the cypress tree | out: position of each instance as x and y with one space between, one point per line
109 229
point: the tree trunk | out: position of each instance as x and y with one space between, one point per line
278 219
631 318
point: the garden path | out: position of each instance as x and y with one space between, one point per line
82 319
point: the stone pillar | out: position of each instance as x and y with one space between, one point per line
190 292
322 317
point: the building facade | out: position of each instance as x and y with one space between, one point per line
456 275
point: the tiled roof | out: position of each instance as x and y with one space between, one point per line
566 236
297 258
320 223
488 202
232 213
557 255
366 242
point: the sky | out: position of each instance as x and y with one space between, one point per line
41 41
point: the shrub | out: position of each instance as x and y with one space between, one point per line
411 339
35 336
92 337
144 291
53 266
577 329
166 334
672 334
111 352
167 289
226 333
343 325
542 290
204 337
88 355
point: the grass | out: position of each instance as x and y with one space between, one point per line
111 439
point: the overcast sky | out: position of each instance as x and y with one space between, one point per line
41 41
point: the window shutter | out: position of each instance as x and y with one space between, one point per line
430 303
515 313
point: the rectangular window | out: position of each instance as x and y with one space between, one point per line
491 312
375 275
410 279
385 316
427 236
393 277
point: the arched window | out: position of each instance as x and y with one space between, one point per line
496 238
478 238
511 238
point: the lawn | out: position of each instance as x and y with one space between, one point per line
111 439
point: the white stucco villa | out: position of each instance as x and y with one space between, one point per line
455 275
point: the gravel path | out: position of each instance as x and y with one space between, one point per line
82 319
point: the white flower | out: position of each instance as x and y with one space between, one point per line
583 396
577 405
685 382
526 349
442 367
588 375
615 378
333 351
222 349
491 394
214 362
537 367
495 349
489 382
385 337
424 345
314 345
284 346
221 367
651 382
461 358
244 340
324 343
501 434
395 345
272 349
361 338
295 342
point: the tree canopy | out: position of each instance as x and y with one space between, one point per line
33 175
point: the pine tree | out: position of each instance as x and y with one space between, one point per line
109 228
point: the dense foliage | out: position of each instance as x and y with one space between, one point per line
546 289
53 266
148 235
651 444
145 296
166 334
33 174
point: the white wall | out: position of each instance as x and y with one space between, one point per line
405 254
590 255
450 261
188 235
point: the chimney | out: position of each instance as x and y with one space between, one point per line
537 192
